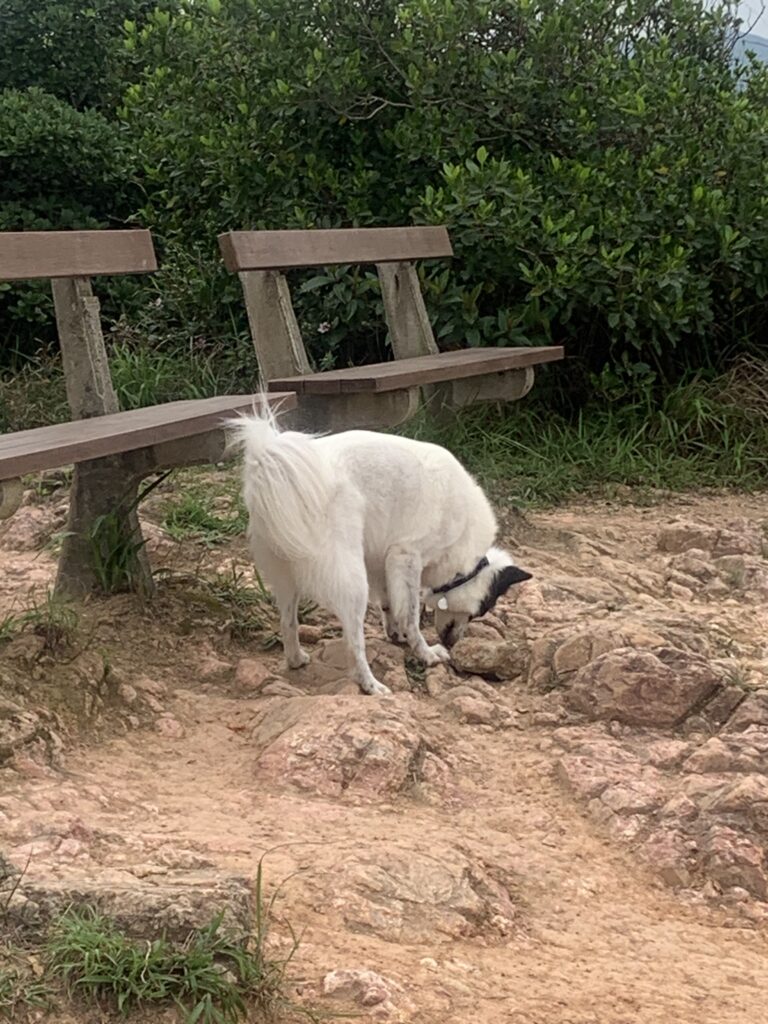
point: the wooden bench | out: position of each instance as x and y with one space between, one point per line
112 451
379 394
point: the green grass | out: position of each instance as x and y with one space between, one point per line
701 435
52 619
212 977
193 516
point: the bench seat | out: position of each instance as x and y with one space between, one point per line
417 371
30 451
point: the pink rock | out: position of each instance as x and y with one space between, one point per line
668 852
170 727
473 710
731 859
684 535
641 687
251 674
633 797
368 989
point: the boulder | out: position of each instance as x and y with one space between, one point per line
643 687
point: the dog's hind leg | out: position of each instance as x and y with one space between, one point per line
279 575
348 600
403 569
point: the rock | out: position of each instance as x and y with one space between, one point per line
746 797
753 710
681 808
656 688
588 778
744 752
212 667
30 528
683 535
472 709
310 634
368 989
479 629
723 704
33 734
633 797
251 674
280 688
170 727
668 852
740 537
157 542
143 910
412 898
359 747
505 660
667 753
731 859
439 680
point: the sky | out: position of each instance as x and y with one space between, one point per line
752 11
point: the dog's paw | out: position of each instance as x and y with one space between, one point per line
298 660
435 655
375 689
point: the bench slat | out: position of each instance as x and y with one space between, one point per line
405 373
280 250
29 451
25 255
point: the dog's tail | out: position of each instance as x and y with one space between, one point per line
286 486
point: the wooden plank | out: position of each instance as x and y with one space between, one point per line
25 255
29 451
404 373
280 250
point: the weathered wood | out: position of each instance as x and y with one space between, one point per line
409 328
31 254
509 386
416 372
103 524
274 329
83 353
332 413
279 250
11 493
29 451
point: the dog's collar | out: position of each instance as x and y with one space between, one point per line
459 580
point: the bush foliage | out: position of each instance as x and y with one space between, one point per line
601 168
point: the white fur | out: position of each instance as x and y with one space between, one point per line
361 515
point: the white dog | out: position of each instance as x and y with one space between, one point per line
358 515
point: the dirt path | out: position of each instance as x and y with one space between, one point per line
489 898
599 941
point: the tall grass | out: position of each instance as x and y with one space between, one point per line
700 434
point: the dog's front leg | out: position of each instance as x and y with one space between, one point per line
403 569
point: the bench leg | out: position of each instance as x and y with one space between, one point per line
442 400
11 493
364 411
103 549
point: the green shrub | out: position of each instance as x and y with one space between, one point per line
60 169
602 169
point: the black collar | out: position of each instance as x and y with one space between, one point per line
459 580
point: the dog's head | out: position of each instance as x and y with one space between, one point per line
458 606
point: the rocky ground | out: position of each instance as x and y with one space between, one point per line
568 826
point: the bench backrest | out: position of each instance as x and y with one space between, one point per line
260 257
69 259
282 250
25 255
